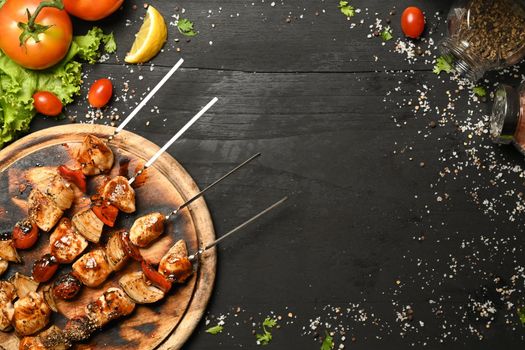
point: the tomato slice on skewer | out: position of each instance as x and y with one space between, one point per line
106 213
25 234
44 268
131 250
155 277
74 176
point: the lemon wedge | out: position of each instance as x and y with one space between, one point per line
150 38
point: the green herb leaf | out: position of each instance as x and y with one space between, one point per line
346 9
185 27
479 90
521 315
215 329
269 322
386 34
266 336
443 64
328 342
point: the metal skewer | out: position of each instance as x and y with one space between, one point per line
247 222
192 199
146 99
173 139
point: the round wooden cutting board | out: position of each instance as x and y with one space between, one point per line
163 325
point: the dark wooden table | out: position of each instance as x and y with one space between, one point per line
397 234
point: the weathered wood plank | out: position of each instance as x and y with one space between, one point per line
254 35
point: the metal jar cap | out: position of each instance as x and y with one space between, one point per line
505 114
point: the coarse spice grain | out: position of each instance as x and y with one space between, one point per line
493 29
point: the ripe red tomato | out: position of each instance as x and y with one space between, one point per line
100 93
51 27
44 268
92 10
25 234
413 22
47 103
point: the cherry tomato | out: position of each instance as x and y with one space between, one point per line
66 286
100 93
155 277
37 43
44 268
47 103
131 250
25 234
92 10
74 176
106 213
413 22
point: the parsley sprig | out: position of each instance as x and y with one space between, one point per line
328 342
215 329
479 91
386 34
346 9
443 64
521 315
266 336
185 27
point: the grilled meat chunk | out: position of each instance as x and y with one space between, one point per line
175 264
115 253
7 295
43 210
92 268
31 314
50 339
95 156
111 305
119 192
66 243
88 224
146 229
79 328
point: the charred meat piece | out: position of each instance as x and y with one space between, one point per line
43 210
92 268
66 286
146 229
119 192
7 295
175 265
115 253
50 339
111 305
31 314
88 224
66 243
95 156
79 328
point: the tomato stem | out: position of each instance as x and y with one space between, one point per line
32 29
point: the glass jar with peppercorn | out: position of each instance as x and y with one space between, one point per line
507 122
484 35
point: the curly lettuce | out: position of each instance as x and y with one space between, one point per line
17 84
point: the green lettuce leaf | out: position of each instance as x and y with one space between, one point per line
17 84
